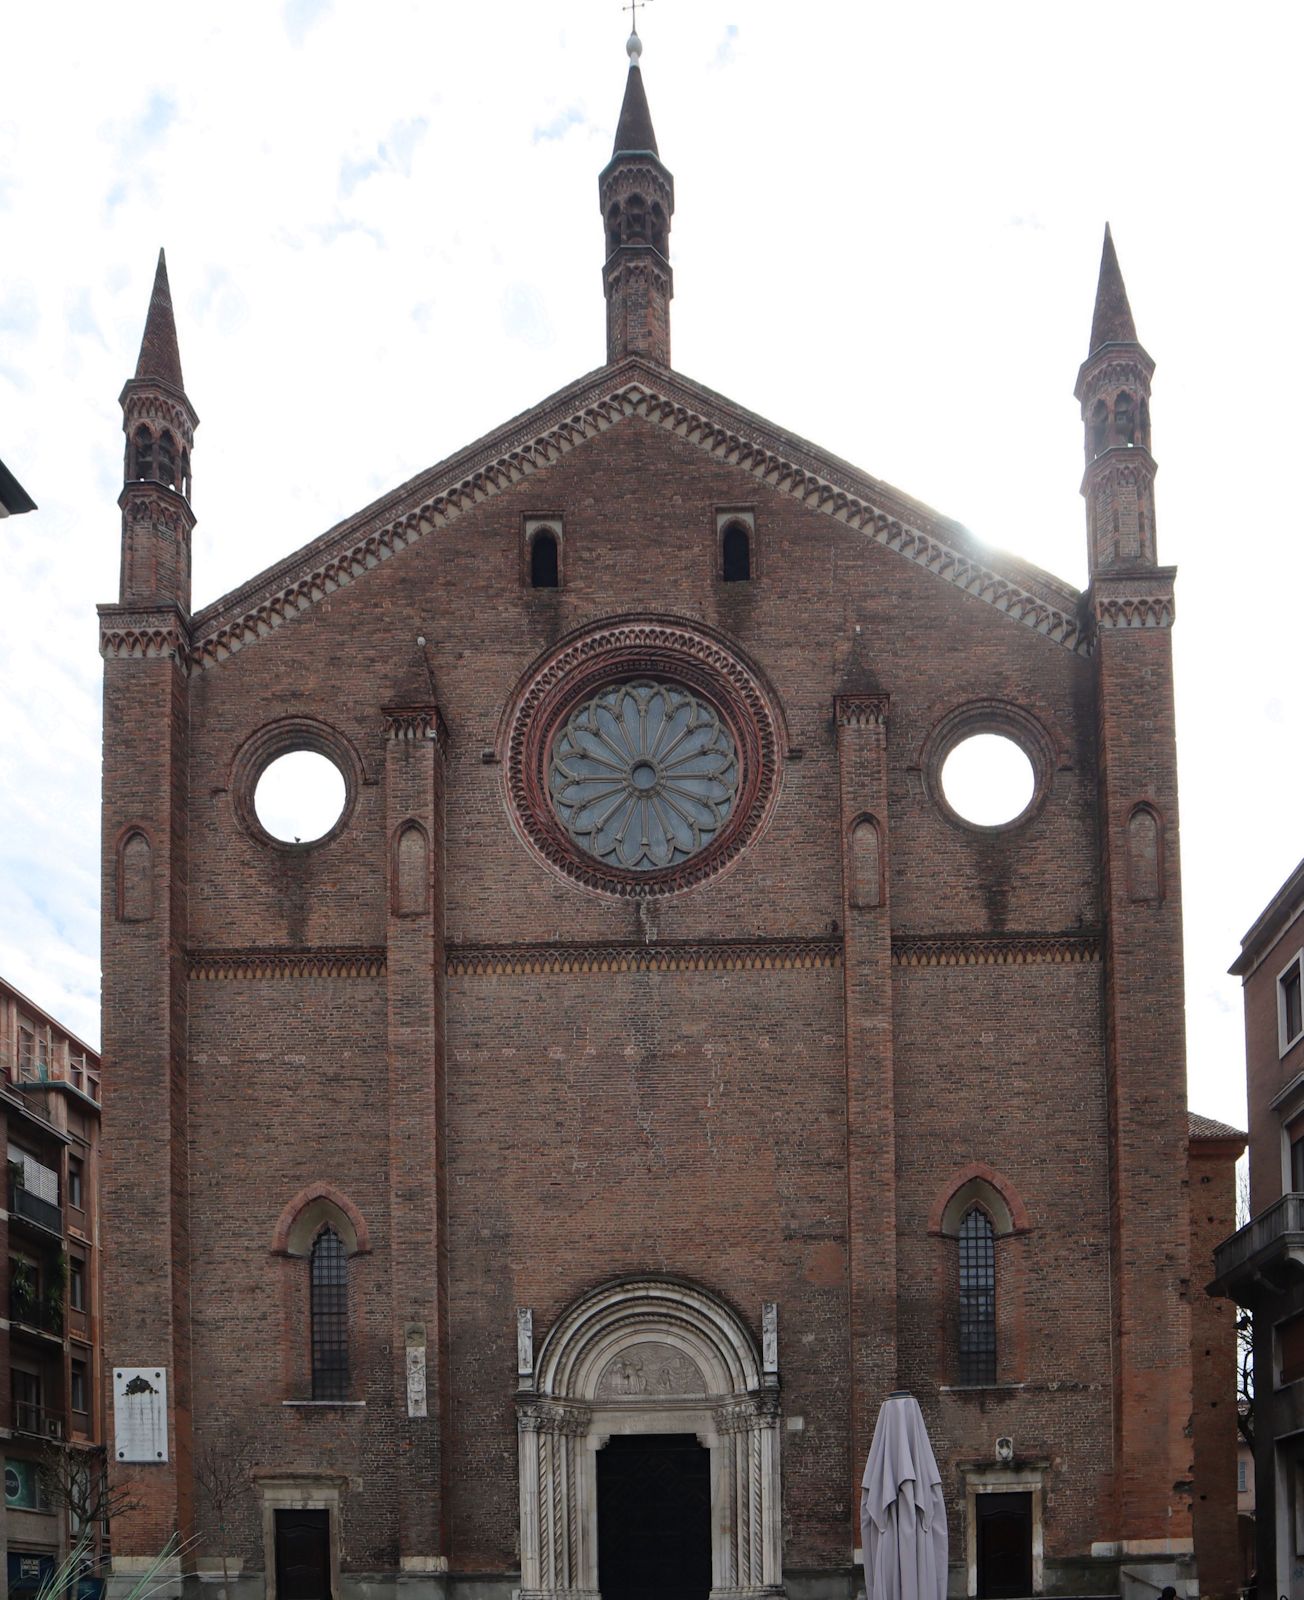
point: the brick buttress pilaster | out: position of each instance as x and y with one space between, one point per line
1147 1056
145 1172
414 811
867 980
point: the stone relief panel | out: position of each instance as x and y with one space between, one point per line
650 1369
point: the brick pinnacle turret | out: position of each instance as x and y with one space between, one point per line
638 199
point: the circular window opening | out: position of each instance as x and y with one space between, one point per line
988 780
299 797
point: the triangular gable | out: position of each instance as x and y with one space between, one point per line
548 432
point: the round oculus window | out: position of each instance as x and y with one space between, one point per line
643 775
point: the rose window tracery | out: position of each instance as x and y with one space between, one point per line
643 775
641 756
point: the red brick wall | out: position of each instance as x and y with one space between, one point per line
603 1123
1212 1172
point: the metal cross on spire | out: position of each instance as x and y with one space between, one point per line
632 7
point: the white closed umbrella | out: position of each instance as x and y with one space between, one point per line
902 1509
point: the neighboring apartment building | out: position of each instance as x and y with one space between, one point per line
51 1411
1262 1266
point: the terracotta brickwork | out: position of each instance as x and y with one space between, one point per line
506 1076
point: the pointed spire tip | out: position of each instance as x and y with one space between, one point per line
1111 321
160 355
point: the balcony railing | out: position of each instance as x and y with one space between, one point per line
23 1203
1271 1241
34 1313
29 1418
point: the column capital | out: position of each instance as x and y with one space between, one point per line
861 710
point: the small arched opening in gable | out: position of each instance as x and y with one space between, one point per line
736 554
545 562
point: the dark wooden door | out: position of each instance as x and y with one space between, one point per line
654 1518
1004 1545
303 1555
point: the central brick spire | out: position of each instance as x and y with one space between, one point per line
638 199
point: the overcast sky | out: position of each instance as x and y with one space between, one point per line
383 237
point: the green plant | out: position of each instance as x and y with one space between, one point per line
62 1582
22 1287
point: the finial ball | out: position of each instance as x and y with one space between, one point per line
634 48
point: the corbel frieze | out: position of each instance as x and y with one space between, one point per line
743 955
862 710
411 723
216 965
994 950
143 635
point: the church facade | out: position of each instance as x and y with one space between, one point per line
537 1181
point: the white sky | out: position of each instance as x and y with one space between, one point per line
383 237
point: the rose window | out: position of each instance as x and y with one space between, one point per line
643 775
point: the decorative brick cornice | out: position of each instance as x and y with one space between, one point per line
406 723
1133 599
582 412
739 955
994 949
143 633
862 710
359 962
1140 611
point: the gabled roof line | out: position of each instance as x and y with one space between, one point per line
586 409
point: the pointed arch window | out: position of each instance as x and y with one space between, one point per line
1099 428
143 451
167 459
977 1346
1125 419
329 1309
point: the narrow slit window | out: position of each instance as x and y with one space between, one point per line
330 1318
736 554
977 1298
544 565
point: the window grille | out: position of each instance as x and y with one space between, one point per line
977 1299
330 1318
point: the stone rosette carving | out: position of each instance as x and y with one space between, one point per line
653 651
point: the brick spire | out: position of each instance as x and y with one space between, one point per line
1113 389
1112 322
634 131
160 357
638 199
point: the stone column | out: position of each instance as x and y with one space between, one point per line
414 814
556 1563
867 986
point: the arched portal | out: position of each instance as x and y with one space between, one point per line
649 1357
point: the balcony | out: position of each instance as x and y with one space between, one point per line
31 1208
40 1316
1267 1250
37 1421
